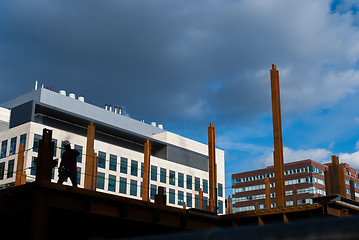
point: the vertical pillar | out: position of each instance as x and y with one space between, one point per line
200 199
278 141
20 173
184 206
352 189
212 169
146 172
295 203
267 193
90 159
229 205
160 197
334 178
45 157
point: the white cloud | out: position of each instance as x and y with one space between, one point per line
351 158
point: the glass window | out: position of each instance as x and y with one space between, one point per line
33 167
220 190
113 162
220 207
101 159
180 198
205 202
123 185
100 180
133 188
171 197
153 173
141 189
153 191
197 183
62 148
196 201
205 186
189 182
134 169
163 175
112 183
79 149
172 180
189 200
2 170
141 170
12 146
180 180
23 140
78 175
123 165
3 148
55 147
36 142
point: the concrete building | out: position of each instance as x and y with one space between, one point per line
178 164
306 177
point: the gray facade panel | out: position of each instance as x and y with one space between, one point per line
21 114
187 158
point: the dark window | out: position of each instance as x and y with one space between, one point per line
197 183
55 146
205 186
3 148
134 169
12 146
153 173
133 188
205 202
36 142
171 197
153 191
220 207
123 165
189 200
112 183
2 170
163 175
78 175
113 162
189 182
180 198
123 185
141 170
101 180
180 180
172 180
220 190
33 167
196 201
101 159
23 140
79 149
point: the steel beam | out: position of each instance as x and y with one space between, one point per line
20 173
334 178
44 163
212 167
267 193
146 172
90 159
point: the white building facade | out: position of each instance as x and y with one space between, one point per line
178 164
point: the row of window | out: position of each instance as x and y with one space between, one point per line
12 150
273 205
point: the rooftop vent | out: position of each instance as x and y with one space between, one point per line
153 124
63 92
72 95
81 99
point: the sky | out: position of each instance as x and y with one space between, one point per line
187 63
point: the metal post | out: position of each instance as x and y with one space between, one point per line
267 193
278 141
45 162
200 199
146 172
20 173
89 166
212 169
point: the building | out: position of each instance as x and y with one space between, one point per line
306 177
178 164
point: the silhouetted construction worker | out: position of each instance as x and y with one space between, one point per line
68 166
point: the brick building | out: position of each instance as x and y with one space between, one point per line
306 177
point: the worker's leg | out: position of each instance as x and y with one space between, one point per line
73 178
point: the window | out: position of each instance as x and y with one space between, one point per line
113 162
3 148
163 175
180 180
79 149
141 170
101 159
189 200
171 197
23 140
220 190
123 185
78 175
112 183
33 167
205 202
100 180
180 198
196 201
36 142
189 182
197 184
123 165
134 168
2 170
55 146
62 148
153 173
220 207
153 191
133 188
205 186
141 189
172 180
12 146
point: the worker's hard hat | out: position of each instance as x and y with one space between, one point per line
66 143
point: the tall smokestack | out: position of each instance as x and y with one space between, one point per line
278 141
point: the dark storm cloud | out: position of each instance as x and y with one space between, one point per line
161 59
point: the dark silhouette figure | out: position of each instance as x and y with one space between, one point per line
68 168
